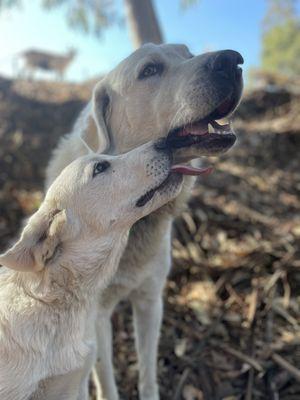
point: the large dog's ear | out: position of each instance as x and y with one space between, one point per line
101 104
39 242
92 122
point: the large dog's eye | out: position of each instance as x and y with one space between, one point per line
100 167
150 70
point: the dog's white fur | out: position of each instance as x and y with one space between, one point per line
67 254
129 111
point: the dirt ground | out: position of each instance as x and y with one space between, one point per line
232 303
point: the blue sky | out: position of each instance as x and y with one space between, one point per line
208 25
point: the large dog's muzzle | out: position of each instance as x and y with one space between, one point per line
204 136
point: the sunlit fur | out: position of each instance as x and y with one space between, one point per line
67 254
127 112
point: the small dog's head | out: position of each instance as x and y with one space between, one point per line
94 196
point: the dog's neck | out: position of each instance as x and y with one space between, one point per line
80 269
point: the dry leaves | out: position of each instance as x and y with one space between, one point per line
191 393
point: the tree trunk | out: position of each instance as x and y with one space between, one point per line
142 22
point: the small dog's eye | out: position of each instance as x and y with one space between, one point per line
150 70
100 167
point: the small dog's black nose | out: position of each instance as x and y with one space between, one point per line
225 64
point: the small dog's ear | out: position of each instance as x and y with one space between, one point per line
38 243
101 104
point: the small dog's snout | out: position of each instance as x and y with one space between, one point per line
225 64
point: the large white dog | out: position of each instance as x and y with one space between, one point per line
67 254
157 91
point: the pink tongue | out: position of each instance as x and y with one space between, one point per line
188 170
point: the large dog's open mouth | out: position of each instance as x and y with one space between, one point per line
205 133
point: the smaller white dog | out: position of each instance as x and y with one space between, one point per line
69 249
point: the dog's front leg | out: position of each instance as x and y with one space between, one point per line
104 365
86 371
147 322
147 304
62 387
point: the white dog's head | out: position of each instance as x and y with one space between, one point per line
163 90
95 196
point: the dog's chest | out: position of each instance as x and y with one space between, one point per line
146 247
148 250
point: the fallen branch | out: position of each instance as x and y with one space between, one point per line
250 381
295 372
181 382
241 356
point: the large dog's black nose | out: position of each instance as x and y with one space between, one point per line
226 64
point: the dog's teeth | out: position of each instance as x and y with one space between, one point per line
210 128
